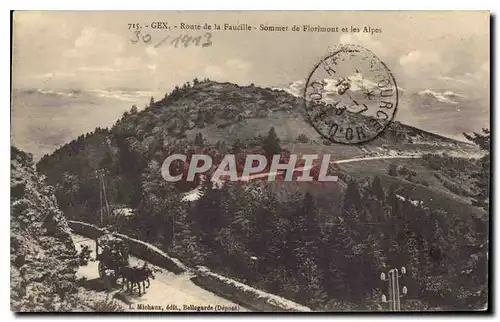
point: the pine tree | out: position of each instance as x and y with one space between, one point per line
482 140
305 229
271 144
377 190
346 238
151 101
352 197
393 170
241 206
221 147
107 161
211 213
237 146
133 110
311 291
198 139
412 250
393 202
332 261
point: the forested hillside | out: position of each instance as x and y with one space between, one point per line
322 245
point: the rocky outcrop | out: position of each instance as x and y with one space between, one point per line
43 257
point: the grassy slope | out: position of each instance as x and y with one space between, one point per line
425 185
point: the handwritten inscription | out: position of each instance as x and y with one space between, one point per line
181 40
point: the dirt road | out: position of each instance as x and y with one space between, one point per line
168 292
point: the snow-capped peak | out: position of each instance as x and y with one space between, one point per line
294 88
443 97
356 83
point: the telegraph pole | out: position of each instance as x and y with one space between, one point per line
105 197
100 173
393 285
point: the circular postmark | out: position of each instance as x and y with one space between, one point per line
351 96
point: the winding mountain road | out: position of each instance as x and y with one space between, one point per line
195 193
168 291
410 156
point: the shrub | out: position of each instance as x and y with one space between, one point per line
302 138
393 170
107 305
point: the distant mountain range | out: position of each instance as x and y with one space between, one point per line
358 82
441 111
43 119
448 97
122 95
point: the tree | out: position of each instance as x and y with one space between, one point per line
393 170
376 189
221 146
211 212
263 228
393 202
302 138
311 289
151 101
483 176
352 197
107 160
305 229
271 144
237 146
133 110
198 139
482 140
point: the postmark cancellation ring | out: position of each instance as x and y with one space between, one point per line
351 96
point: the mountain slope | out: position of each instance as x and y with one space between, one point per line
293 239
225 115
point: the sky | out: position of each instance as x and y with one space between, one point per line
446 54
92 49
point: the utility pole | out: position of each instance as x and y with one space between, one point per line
100 173
105 196
394 292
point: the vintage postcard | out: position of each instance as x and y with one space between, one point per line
236 161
